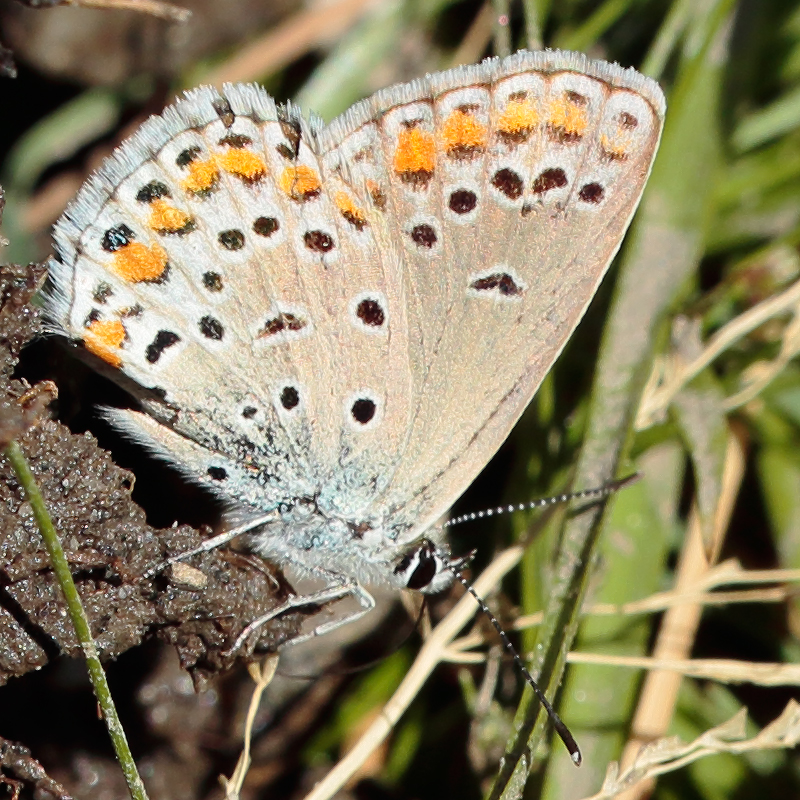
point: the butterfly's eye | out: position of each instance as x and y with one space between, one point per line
419 566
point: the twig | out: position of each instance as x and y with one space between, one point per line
155 8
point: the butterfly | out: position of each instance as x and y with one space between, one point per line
333 328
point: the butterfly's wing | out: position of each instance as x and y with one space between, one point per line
207 263
354 315
507 187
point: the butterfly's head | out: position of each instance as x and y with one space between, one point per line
427 568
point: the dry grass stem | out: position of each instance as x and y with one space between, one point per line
700 593
670 754
759 375
477 37
262 675
155 8
679 626
715 669
289 41
669 377
431 653
726 574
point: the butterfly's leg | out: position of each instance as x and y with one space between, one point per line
213 542
365 600
336 591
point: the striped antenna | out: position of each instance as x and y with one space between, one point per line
598 493
455 565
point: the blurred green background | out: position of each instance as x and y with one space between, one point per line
716 434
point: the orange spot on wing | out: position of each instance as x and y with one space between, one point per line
518 118
349 210
415 153
463 133
243 163
615 148
165 218
203 175
104 339
567 118
300 182
137 262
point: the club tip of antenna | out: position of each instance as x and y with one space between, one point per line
569 740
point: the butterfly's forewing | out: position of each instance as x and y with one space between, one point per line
510 186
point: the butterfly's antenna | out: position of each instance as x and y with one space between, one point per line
596 493
561 729
454 567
